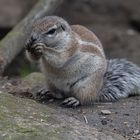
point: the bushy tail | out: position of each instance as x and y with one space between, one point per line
121 80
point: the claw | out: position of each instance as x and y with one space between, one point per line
71 102
38 49
28 45
43 95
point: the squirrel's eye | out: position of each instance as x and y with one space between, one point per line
50 32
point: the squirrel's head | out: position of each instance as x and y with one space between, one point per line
51 31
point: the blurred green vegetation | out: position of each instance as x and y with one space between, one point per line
20 67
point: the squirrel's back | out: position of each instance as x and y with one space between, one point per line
86 35
122 79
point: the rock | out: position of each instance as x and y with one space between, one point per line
104 122
136 132
32 80
125 123
26 119
105 112
29 85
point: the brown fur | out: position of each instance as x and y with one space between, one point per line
90 49
83 65
86 34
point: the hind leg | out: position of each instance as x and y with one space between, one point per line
83 93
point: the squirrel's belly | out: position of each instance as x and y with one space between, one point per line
62 84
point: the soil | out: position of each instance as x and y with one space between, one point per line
123 117
117 24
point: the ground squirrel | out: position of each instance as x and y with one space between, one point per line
74 64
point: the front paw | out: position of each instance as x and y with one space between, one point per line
43 95
36 50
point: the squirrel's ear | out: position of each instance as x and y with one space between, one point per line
63 27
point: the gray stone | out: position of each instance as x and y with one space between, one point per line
25 119
105 112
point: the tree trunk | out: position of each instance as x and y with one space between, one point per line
14 41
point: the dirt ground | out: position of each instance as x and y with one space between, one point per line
123 117
117 24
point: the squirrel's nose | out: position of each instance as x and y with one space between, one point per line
34 37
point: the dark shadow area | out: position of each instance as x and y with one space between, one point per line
4 31
20 67
135 24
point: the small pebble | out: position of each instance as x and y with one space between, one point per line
51 100
31 117
136 132
42 120
138 137
125 123
127 114
104 122
130 32
105 112
8 84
